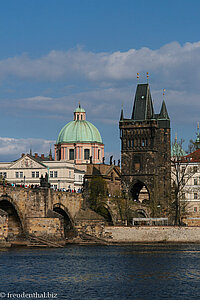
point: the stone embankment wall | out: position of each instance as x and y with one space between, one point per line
46 227
152 234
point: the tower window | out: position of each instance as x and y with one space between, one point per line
86 153
71 154
98 153
78 117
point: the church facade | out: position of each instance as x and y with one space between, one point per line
146 153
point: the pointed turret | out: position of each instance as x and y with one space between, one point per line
143 106
197 141
122 114
163 112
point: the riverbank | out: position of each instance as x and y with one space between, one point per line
117 235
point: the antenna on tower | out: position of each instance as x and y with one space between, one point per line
147 77
163 94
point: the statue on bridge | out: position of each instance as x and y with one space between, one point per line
44 181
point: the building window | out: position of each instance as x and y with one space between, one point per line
143 143
195 209
51 174
183 195
98 153
80 177
37 174
17 174
195 196
195 181
71 154
56 174
86 153
183 170
21 174
194 169
70 173
33 174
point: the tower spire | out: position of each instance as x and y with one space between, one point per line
163 111
122 114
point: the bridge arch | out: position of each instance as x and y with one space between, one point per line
104 210
139 192
68 224
140 213
16 226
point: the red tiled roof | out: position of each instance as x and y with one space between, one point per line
194 156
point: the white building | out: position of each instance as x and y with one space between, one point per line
186 174
28 170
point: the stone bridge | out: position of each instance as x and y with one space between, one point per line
54 214
39 211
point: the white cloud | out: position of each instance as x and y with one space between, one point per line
173 64
11 148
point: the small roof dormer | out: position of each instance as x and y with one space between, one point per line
79 114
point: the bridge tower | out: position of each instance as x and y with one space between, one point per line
146 152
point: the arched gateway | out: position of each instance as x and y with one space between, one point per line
139 193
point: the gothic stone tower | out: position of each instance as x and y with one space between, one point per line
146 153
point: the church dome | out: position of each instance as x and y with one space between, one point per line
79 130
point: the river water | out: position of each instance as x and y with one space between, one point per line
102 272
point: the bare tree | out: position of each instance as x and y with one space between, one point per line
182 172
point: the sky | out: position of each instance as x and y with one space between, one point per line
56 53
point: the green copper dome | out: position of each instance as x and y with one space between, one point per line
79 130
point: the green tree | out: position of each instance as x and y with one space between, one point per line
97 192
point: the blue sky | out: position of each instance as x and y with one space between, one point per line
54 54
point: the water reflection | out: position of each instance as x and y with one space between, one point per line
105 272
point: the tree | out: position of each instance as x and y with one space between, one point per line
97 192
181 174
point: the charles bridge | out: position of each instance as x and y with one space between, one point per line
51 214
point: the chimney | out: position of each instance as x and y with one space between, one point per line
36 155
42 156
23 154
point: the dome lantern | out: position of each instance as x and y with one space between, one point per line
79 114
